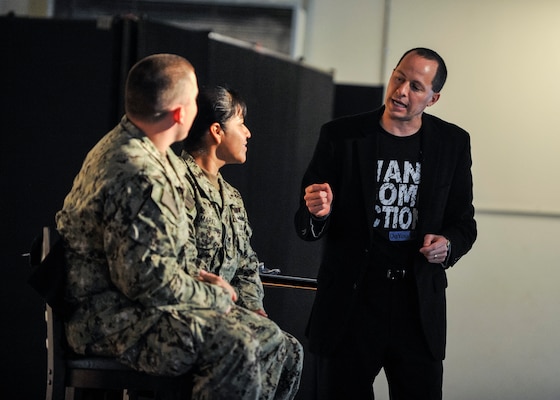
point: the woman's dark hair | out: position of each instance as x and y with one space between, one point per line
215 104
429 54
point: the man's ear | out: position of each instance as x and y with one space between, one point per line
435 98
177 115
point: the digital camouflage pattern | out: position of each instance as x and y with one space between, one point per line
223 235
129 240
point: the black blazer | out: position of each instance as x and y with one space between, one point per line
346 157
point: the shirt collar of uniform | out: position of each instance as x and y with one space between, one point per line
203 183
169 159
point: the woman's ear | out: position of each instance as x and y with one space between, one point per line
215 130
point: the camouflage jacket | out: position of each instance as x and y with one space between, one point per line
128 240
223 235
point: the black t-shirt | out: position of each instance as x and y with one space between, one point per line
396 204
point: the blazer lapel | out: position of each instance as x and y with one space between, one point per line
431 156
366 150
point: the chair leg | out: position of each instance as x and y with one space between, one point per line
70 393
134 395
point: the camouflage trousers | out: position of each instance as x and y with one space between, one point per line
238 355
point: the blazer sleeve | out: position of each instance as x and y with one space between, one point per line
321 169
459 224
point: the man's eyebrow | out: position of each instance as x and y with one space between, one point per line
416 82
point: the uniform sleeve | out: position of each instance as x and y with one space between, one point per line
246 280
146 242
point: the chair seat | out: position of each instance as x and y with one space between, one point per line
96 363
108 373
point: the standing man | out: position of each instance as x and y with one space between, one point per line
128 242
391 192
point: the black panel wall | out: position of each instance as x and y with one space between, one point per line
59 85
287 103
354 99
62 84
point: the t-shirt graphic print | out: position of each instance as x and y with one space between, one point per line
398 182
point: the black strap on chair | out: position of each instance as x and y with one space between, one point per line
49 275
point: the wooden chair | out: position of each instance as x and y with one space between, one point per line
74 377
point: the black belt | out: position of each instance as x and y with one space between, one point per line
396 274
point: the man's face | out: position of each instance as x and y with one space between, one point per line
409 90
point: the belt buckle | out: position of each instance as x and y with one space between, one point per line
394 274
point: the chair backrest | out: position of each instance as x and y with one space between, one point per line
56 364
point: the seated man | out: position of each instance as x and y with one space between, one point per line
128 240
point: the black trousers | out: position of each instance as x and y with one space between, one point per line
384 332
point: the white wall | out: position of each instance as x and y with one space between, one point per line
504 61
19 7
503 315
347 37
32 8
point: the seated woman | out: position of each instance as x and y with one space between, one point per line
219 137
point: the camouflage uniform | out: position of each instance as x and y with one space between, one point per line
223 238
223 235
128 239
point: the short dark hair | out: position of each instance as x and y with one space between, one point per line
215 104
153 83
441 72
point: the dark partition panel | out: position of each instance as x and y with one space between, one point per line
353 99
160 37
287 103
62 90
59 83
